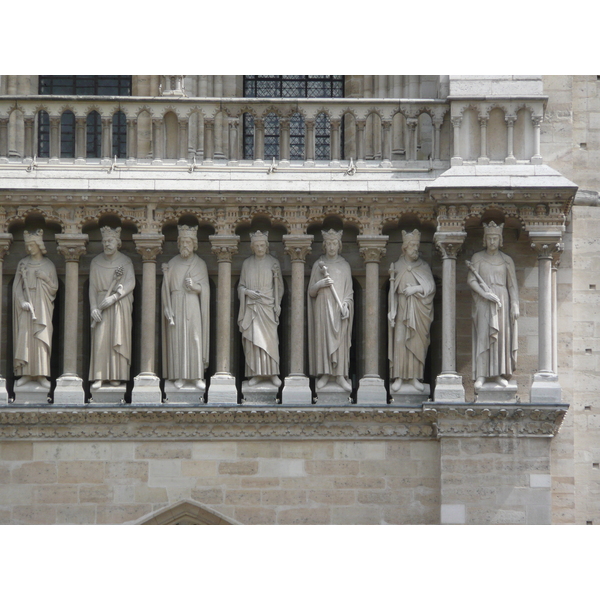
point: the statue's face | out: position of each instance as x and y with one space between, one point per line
186 247
110 245
259 248
411 250
32 248
492 241
332 247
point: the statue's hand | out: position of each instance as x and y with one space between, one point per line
391 319
325 282
169 316
41 275
412 289
252 294
108 302
515 311
345 311
27 307
96 315
491 297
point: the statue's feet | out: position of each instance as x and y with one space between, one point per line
396 385
254 381
178 383
417 385
23 380
114 382
275 381
322 381
479 383
43 381
97 384
501 381
343 383
200 384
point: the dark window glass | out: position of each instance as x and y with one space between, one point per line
67 135
119 138
85 85
93 135
291 86
43 134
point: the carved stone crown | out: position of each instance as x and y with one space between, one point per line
34 236
109 232
332 235
259 236
491 227
186 231
411 236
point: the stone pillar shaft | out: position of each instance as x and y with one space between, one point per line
5 241
336 151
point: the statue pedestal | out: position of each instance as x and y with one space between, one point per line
222 389
296 390
407 394
371 391
262 393
146 389
493 392
333 394
109 395
449 388
546 389
69 391
31 393
3 392
188 394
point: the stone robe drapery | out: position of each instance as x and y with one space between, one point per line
258 319
111 338
33 339
329 336
185 344
495 335
408 340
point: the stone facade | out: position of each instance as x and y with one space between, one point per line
451 154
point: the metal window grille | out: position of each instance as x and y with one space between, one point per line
290 86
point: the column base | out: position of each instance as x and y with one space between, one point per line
371 391
222 389
333 395
545 389
187 395
69 390
3 392
262 393
146 389
493 392
407 394
296 390
31 394
109 395
449 388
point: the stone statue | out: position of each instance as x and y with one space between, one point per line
111 303
34 290
260 291
186 305
330 314
495 310
412 289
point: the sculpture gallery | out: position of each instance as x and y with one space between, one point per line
34 290
112 282
186 305
260 291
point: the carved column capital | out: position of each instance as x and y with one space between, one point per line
449 243
546 243
510 120
387 125
5 241
224 246
456 121
72 246
298 246
148 245
537 120
372 247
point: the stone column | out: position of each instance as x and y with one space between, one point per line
483 157
157 139
545 387
555 265
437 124
54 138
131 138
536 159
259 139
146 386
296 389
106 148
183 139
510 157
448 384
233 140
371 389
360 140
412 123
80 138
336 149
209 140
5 241
284 137
387 144
456 159
222 389
69 386
28 146
4 139
310 141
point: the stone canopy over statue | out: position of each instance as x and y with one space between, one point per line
330 315
260 291
495 311
34 290
112 281
412 289
186 323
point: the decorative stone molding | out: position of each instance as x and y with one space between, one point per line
372 247
224 246
298 246
449 243
427 422
71 246
149 246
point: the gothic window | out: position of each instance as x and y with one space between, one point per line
290 86
83 85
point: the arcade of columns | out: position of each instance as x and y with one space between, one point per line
540 213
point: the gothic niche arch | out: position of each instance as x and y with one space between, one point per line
185 512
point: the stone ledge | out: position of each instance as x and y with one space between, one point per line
429 421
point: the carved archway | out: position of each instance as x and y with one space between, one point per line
185 512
